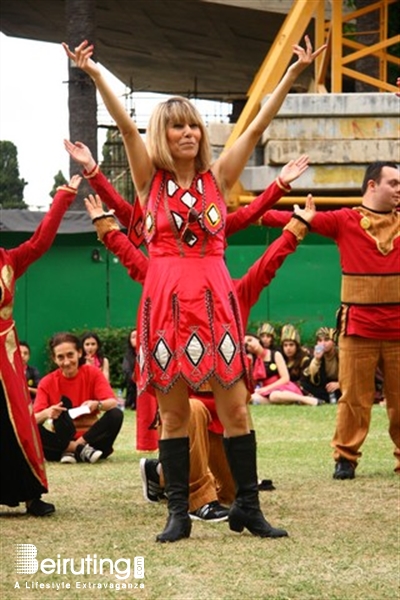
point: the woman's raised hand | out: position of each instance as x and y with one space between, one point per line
294 168
305 56
94 206
80 154
82 57
75 181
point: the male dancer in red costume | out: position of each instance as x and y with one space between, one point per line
368 239
23 477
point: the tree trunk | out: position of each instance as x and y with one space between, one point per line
80 17
367 28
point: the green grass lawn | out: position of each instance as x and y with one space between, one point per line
344 535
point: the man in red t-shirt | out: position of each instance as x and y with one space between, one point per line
75 407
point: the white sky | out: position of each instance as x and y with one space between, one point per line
34 112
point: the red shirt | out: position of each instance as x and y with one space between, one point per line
88 384
358 255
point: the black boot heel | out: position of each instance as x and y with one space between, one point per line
177 528
253 520
246 512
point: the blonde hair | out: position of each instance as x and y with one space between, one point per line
175 110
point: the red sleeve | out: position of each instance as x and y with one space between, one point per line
109 195
42 239
276 218
261 273
131 257
245 216
325 223
47 393
100 387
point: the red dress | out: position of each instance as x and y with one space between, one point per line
189 318
23 474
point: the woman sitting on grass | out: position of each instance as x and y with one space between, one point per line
271 377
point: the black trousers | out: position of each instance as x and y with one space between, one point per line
101 435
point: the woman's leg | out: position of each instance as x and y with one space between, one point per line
240 448
291 397
174 457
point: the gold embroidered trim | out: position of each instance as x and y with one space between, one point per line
298 229
382 228
103 226
370 289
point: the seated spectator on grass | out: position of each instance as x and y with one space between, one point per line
81 435
296 357
266 333
271 377
32 374
93 353
321 376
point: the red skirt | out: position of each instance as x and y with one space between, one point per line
189 324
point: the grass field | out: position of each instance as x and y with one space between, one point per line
344 539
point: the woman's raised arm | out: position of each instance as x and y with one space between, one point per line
139 160
230 164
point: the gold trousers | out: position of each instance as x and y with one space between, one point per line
359 358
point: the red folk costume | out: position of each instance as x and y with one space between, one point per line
190 322
369 246
18 405
369 320
189 318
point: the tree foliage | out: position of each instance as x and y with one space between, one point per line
11 185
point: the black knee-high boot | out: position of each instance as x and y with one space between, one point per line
174 457
245 511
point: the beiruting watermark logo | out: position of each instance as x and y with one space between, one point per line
123 569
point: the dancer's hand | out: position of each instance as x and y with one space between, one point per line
82 57
308 212
75 181
305 56
294 168
80 154
94 206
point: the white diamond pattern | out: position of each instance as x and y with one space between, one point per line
171 187
177 219
149 221
188 199
195 349
213 215
162 354
227 348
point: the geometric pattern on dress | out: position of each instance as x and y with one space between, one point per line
227 348
188 199
149 222
162 354
171 187
141 359
190 238
178 220
213 214
199 185
195 349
